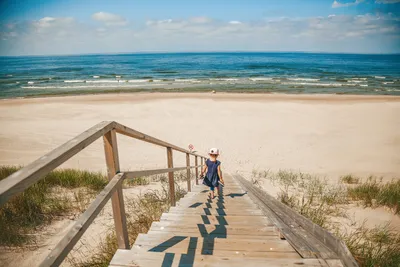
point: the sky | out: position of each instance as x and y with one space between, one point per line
60 27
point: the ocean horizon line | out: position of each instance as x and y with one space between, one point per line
198 52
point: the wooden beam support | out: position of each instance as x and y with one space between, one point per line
189 182
171 177
197 170
117 199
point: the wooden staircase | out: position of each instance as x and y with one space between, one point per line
229 230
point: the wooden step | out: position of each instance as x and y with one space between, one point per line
205 234
128 259
236 230
222 253
255 220
198 204
161 243
224 212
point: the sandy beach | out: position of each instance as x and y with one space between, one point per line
328 135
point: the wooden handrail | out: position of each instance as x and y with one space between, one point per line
27 176
32 173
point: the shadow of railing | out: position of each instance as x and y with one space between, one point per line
208 245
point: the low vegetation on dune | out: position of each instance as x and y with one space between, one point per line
321 202
69 191
45 200
142 211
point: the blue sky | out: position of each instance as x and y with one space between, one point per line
97 26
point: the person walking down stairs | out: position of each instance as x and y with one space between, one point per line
213 177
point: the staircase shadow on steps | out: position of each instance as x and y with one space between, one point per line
220 231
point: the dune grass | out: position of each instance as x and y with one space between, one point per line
375 193
42 202
141 211
319 201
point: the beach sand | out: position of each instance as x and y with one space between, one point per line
327 135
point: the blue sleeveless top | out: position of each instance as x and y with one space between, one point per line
211 179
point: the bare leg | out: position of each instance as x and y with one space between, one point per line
217 190
212 194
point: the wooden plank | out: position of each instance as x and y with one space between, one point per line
225 235
215 244
189 182
141 250
171 177
66 244
27 176
237 230
205 219
222 212
141 258
117 199
121 129
197 170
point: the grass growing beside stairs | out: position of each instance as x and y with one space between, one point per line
45 200
141 211
321 201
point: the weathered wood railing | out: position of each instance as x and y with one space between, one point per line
32 173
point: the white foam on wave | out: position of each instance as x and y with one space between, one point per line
363 79
187 80
138 81
355 81
364 85
315 84
380 77
388 82
225 79
261 79
118 76
96 77
30 82
74 81
303 79
127 86
104 81
17 82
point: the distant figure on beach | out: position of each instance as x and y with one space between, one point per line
214 175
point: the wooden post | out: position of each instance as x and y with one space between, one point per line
197 170
171 177
189 182
117 199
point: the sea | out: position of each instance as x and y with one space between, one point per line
289 73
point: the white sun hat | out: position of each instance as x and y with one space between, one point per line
214 151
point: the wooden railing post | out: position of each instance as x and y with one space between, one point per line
171 177
197 170
189 182
117 199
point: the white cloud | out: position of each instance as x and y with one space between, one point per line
337 4
387 1
339 33
234 22
110 19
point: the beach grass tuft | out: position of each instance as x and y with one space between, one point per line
375 193
142 211
350 179
44 201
